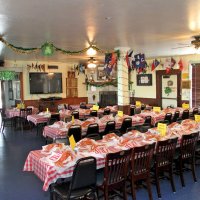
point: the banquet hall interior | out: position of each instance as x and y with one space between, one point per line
105 79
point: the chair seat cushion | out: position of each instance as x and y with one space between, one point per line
62 191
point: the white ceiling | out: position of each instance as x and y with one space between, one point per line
153 27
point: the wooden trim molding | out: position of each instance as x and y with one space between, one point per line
149 101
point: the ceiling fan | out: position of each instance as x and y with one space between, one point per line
195 43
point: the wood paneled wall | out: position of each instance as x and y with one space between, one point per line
54 103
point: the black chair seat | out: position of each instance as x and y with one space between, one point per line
62 191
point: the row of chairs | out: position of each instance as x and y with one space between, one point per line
129 166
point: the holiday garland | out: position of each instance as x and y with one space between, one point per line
48 49
7 75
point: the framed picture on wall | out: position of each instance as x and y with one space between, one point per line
101 74
144 79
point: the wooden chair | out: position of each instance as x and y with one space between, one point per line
75 130
164 161
115 173
5 121
187 155
82 184
140 167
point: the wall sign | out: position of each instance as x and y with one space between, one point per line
144 79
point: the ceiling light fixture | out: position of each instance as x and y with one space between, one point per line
91 63
196 42
91 51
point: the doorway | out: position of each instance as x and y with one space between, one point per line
168 88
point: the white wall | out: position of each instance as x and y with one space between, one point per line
21 66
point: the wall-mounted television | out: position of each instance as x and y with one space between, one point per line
45 83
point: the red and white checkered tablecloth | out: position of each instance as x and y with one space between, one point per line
37 119
47 173
61 131
15 112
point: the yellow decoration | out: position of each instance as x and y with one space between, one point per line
47 110
156 109
95 107
185 106
138 103
72 142
120 113
72 119
162 128
197 118
18 106
185 75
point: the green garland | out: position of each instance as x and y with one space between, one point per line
48 49
7 75
102 84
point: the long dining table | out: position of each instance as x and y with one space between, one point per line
56 161
60 129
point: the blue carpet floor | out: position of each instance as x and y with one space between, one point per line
18 185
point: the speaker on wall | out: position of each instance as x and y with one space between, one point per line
52 67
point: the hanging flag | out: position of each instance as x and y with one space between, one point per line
113 58
154 64
180 64
173 62
129 59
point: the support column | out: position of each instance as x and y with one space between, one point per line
123 81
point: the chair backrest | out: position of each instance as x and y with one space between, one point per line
29 111
147 120
92 128
185 114
54 118
106 111
22 112
110 126
84 174
75 130
127 122
176 116
75 114
140 162
116 166
94 136
188 143
143 106
165 151
163 122
144 128
62 140
195 111
132 110
93 113
83 105
137 110
168 117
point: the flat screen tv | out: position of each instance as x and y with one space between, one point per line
45 83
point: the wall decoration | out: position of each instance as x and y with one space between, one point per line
49 48
139 63
186 84
144 79
7 75
110 66
37 67
101 73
